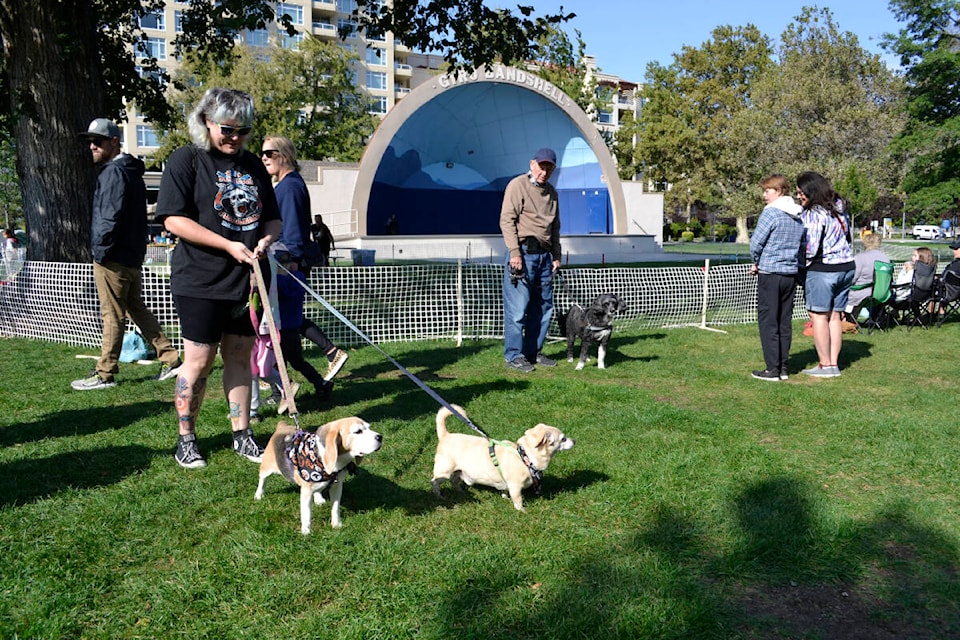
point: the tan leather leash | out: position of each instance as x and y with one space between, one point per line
275 337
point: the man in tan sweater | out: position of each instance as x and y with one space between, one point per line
530 223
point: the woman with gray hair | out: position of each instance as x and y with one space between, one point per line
863 272
216 197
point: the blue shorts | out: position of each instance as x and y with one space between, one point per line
827 290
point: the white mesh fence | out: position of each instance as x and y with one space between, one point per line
58 301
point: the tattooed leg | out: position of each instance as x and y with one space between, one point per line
235 352
192 383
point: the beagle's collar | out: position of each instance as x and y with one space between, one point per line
304 456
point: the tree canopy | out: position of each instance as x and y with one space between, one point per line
307 95
689 111
468 33
734 110
929 146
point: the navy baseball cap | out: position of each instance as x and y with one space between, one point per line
545 155
955 244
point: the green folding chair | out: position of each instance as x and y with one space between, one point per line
879 317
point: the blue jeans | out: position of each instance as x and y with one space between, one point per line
527 307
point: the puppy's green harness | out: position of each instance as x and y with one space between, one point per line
535 474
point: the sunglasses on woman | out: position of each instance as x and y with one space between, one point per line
229 131
269 153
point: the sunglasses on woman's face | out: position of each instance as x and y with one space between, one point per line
228 131
269 153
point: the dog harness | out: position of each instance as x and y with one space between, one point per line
592 327
303 456
535 474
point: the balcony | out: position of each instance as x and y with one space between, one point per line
324 7
402 70
324 30
401 92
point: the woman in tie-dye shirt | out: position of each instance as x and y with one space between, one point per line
830 268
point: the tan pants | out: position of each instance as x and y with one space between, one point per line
121 293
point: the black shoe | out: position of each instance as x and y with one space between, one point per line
246 447
188 454
784 374
520 364
544 361
766 374
324 390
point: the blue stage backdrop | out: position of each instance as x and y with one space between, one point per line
445 170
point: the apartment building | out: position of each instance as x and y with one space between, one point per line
382 69
625 97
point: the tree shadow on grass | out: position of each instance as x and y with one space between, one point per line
23 481
80 422
787 575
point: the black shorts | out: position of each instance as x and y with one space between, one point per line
206 321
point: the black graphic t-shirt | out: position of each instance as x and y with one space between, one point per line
230 195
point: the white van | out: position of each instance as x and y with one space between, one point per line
927 232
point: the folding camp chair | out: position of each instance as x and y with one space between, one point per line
874 304
914 310
949 302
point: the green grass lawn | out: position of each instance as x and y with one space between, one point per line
697 502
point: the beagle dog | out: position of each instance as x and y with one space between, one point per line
510 467
317 460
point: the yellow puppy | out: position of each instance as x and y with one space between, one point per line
466 459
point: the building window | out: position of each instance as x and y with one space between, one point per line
258 38
345 25
376 57
295 12
146 136
152 48
346 6
605 117
376 79
152 20
378 105
151 74
292 42
178 21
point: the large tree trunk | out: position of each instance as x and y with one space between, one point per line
743 235
56 88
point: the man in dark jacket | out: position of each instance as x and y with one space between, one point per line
118 240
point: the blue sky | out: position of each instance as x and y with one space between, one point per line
625 35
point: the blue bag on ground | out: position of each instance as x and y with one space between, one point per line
134 348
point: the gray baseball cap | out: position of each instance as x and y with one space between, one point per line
101 128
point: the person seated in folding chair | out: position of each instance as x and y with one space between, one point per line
862 287
914 300
949 299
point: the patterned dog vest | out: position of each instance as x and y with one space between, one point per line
303 456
